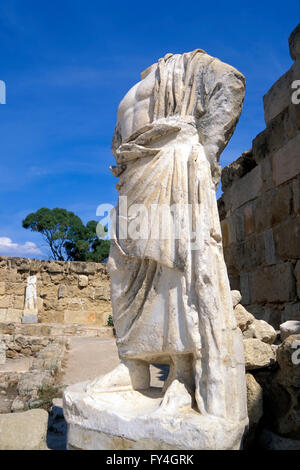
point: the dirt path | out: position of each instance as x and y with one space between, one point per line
90 357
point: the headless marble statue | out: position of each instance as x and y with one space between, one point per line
170 294
172 304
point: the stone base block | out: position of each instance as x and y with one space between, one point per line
134 420
30 318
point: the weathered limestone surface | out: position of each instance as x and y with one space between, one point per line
2 352
170 293
54 330
258 354
261 330
24 431
260 208
243 318
291 327
136 420
66 292
20 345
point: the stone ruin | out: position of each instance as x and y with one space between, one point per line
260 208
259 213
64 293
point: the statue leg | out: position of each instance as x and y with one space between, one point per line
181 369
130 374
179 388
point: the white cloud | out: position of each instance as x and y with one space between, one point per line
8 248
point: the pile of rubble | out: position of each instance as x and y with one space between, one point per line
272 362
36 387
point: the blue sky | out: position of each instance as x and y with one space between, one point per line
68 63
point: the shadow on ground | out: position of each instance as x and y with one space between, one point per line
57 430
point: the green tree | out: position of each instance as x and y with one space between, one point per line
67 236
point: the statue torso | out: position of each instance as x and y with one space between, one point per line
136 108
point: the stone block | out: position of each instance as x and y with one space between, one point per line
55 267
273 284
80 267
17 288
83 281
18 301
296 195
244 189
115 422
10 315
22 264
278 97
280 129
5 301
234 281
238 224
286 161
79 316
254 400
258 354
245 289
263 331
266 173
249 220
257 311
2 288
225 233
288 328
273 207
102 316
24 431
271 313
291 311
243 317
270 255
32 318
248 255
292 124
237 169
236 297
3 315
102 293
287 239
260 148
48 291
33 383
297 274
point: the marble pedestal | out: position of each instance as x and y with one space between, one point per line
30 316
134 420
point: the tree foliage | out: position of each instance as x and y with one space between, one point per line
67 236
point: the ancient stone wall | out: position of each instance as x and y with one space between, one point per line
67 292
260 208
